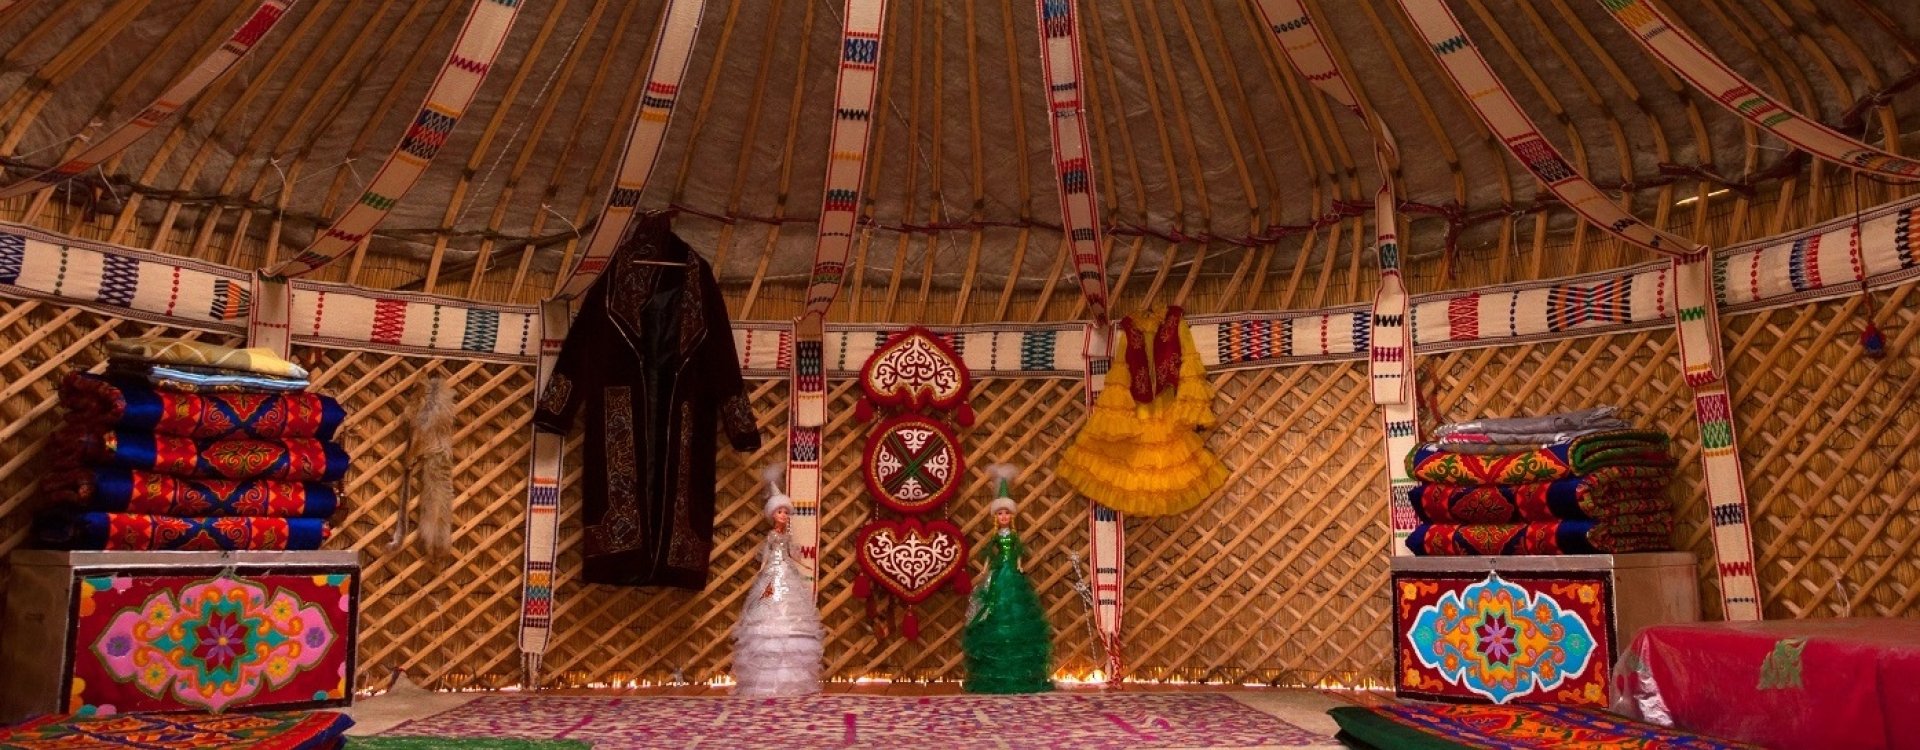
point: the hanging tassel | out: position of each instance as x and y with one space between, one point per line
910 625
963 584
863 410
863 588
1873 341
965 415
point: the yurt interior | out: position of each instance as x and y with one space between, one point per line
561 374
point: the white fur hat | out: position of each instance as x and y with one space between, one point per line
1004 473
776 497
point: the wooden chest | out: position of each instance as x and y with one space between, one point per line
1528 629
121 632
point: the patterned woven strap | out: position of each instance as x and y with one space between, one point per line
1686 56
806 427
269 319
1496 106
1059 33
1390 345
1072 162
542 533
1107 553
1700 357
210 68
480 41
672 48
857 83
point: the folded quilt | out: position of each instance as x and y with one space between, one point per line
134 531
118 403
1529 439
190 379
1608 492
158 350
1596 417
122 490
1623 534
290 459
1520 464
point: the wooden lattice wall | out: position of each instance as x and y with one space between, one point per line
1278 580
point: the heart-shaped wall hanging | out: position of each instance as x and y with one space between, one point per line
918 370
912 464
911 559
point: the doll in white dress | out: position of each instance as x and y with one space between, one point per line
777 642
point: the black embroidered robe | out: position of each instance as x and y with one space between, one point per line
650 359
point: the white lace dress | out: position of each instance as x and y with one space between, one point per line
777 642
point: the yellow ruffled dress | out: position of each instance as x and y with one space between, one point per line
1147 459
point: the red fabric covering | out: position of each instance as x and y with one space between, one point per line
1787 685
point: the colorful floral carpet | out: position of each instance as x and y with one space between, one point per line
288 730
1057 720
1433 726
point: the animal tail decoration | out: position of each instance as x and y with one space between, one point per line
430 458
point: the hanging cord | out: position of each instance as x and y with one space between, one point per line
1084 588
1871 339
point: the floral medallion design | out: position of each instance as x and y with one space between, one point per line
1501 641
218 643
913 464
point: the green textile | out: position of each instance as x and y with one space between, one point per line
1365 729
1007 641
461 743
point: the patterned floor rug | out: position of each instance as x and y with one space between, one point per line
1136 720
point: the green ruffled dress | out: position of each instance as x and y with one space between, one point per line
1007 641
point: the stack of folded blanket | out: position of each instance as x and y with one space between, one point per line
1576 483
189 446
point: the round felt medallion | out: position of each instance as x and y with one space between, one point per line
912 464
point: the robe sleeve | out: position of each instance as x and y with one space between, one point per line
722 366
568 383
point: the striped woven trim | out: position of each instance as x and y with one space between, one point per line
210 68
1497 108
666 70
473 54
1400 428
1107 555
269 326
1700 358
1809 265
854 90
806 429
1389 359
542 536
1073 166
1691 60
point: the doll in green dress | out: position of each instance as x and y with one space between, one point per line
1007 641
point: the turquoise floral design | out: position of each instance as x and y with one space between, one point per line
1501 641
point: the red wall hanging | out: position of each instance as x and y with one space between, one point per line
911 559
912 466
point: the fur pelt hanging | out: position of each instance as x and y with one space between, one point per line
429 460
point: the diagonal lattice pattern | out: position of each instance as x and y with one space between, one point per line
1279 579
